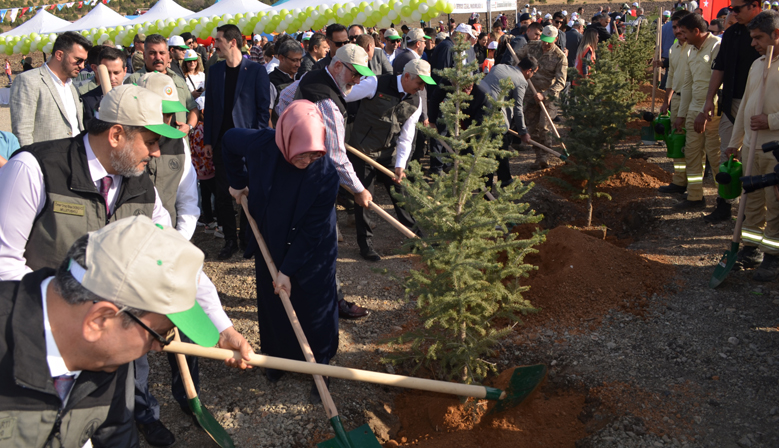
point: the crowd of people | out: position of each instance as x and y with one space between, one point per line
104 189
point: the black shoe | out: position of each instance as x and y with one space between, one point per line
748 258
274 375
721 213
672 189
366 250
186 410
350 310
230 247
768 269
537 166
156 434
314 396
688 205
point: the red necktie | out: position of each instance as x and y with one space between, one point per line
105 185
63 384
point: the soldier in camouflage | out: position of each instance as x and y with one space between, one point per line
137 59
549 81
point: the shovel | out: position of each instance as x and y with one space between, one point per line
523 382
203 416
729 258
360 437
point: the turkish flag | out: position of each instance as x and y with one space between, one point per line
712 7
80 4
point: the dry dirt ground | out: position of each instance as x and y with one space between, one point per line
670 363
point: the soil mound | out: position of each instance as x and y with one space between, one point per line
580 278
546 418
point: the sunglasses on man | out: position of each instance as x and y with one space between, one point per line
737 9
341 44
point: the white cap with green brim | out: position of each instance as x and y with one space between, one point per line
131 105
420 68
135 263
392 34
356 56
190 55
163 86
549 34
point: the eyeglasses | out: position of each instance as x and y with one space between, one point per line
295 60
559 22
340 44
159 338
352 38
354 72
310 156
737 9
78 61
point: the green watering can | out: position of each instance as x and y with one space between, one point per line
674 141
729 180
665 122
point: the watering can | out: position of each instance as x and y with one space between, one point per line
674 141
665 122
729 180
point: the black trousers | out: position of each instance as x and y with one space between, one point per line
225 213
207 189
368 175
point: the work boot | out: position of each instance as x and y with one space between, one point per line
721 213
156 434
537 166
748 258
367 251
688 205
672 189
768 269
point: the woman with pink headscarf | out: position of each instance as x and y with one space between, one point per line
291 187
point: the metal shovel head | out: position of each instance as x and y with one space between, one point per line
724 266
361 437
210 425
523 382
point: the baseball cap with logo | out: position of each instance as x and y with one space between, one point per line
666 13
492 45
416 35
136 263
140 37
420 68
466 29
163 86
549 34
307 35
177 41
392 34
190 55
356 56
131 105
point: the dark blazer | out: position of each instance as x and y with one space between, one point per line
91 102
252 99
314 211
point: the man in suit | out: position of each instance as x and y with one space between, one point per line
238 96
317 49
44 103
115 62
572 38
416 41
379 64
337 37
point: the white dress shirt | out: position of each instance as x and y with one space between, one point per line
187 211
23 199
270 66
367 89
54 359
390 57
66 96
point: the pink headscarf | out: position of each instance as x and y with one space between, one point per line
300 129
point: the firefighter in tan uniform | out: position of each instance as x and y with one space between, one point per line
760 232
549 81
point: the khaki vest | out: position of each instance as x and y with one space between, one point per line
380 119
73 206
166 171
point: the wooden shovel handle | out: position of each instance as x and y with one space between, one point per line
186 377
386 216
345 373
327 400
105 80
371 162
539 145
769 53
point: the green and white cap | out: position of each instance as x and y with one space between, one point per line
177 41
549 34
416 35
356 56
190 55
163 86
131 105
136 263
420 68
392 34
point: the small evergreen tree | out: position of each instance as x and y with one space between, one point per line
472 262
597 110
633 55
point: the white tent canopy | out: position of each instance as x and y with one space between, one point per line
230 7
302 4
163 9
100 16
42 23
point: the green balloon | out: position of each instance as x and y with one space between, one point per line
405 11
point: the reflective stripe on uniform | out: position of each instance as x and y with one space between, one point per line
772 243
751 235
694 178
680 167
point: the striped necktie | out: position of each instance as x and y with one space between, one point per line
63 384
105 186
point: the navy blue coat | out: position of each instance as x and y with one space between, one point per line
251 109
298 225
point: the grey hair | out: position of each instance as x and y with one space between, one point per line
73 292
766 21
289 46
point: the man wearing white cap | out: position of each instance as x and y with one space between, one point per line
89 182
390 107
549 81
256 53
392 39
177 49
115 294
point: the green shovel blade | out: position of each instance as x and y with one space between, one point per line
361 437
724 266
210 425
523 382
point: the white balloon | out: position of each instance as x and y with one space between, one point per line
398 7
423 8
416 16
392 15
259 28
385 22
250 15
360 17
368 10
